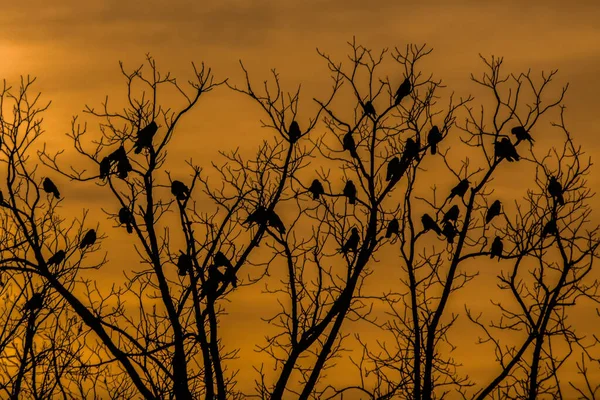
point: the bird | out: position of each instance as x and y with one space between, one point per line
35 302
556 190
349 144
352 242
369 109
184 264
429 223
550 228
497 247
276 222
105 165
89 239
57 258
392 229
460 189
212 282
294 132
125 217
316 188
258 216
396 168
505 149
350 192
411 150
433 138
521 133
50 187
144 137
123 164
450 232
180 190
452 214
403 90
493 211
221 260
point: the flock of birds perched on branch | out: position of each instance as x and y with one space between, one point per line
262 216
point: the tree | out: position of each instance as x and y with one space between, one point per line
316 255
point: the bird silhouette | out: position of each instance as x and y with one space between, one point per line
403 90
452 214
221 260
350 192
294 132
411 150
460 189
50 187
550 228
497 247
352 242
433 138
556 190
144 137
125 217
123 164
493 211
35 302
396 168
450 232
429 223
393 228
105 165
349 144
180 190
89 239
212 282
184 264
57 258
521 134
317 189
369 108
258 216
276 222
505 149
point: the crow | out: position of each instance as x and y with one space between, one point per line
35 302
50 187
450 232
221 260
349 144
403 90
556 190
352 242
125 217
294 132
411 150
429 223
317 189
505 149
550 228
392 168
433 138
105 165
452 214
57 258
89 239
258 216
123 165
184 264
144 137
493 211
521 133
180 190
497 247
460 189
392 229
276 222
369 109
350 192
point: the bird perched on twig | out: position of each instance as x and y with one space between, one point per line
395 169
550 228
126 217
505 149
221 260
497 247
317 189
450 232
369 108
88 239
258 216
411 150
352 242
521 134
50 187
56 258
184 264
393 228
493 211
452 214
350 192
276 222
429 223
35 302
180 190
434 137
144 137
556 190
105 165
294 132
460 189
349 144
403 90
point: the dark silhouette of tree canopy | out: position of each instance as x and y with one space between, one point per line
352 249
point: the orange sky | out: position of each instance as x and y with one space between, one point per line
74 48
